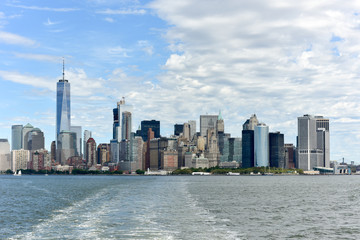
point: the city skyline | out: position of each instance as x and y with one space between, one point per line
174 64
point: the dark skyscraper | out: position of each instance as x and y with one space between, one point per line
154 125
178 128
276 150
247 148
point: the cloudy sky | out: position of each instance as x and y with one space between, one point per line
175 60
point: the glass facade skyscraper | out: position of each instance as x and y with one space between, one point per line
261 145
62 106
16 136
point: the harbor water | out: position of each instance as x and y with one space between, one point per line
179 207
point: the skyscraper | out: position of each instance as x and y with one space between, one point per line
207 122
126 125
36 139
155 127
118 128
261 145
16 135
277 150
247 148
66 146
78 131
310 142
192 124
25 136
87 135
91 158
62 105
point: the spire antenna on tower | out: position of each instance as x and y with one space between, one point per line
63 68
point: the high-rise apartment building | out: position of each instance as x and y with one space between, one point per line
16 136
19 159
91 156
261 145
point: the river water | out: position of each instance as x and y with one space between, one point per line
179 207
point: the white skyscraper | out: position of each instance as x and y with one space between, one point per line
122 107
313 139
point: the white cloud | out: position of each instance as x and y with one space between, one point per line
110 20
38 57
27 79
146 47
11 38
38 8
122 11
50 23
272 58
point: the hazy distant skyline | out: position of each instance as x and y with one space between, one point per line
176 60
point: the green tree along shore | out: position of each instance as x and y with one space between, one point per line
255 170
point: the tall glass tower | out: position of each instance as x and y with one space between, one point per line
62 105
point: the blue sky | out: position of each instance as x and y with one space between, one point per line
175 60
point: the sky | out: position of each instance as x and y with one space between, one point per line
176 60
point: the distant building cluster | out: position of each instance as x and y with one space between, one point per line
146 149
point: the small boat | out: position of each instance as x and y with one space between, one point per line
18 173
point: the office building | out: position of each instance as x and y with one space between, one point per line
207 122
62 105
247 148
323 138
277 150
251 123
36 140
178 129
290 156
311 142
25 135
119 130
220 127
66 146
261 145
87 136
192 124
16 136
155 127
126 125
78 131
5 162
